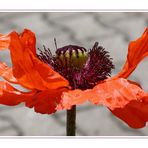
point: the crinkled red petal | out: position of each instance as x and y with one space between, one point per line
7 73
29 71
11 96
28 40
124 98
46 102
137 50
113 93
4 41
135 113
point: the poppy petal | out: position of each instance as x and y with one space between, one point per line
27 68
74 97
137 50
113 93
135 113
7 73
45 102
124 98
28 40
11 96
4 41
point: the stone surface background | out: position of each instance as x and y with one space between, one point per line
113 30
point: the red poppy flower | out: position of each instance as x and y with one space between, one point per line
71 77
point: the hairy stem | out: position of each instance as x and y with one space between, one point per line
71 121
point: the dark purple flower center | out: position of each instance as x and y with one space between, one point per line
83 69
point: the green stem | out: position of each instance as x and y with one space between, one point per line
71 121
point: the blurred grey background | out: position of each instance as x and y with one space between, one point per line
113 30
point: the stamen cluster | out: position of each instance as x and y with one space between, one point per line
82 68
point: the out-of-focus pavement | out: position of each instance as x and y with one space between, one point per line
112 30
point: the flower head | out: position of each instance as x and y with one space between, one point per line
72 76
